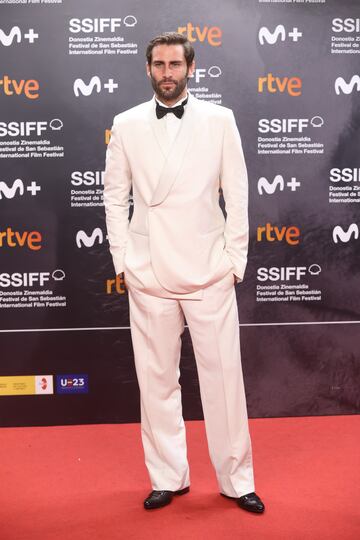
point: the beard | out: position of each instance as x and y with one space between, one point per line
172 92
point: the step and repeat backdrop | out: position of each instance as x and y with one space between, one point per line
290 70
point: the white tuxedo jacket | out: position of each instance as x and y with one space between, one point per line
177 240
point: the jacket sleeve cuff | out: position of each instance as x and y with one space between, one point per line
118 261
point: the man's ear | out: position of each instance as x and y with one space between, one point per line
147 69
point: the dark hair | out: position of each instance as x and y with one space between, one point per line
171 38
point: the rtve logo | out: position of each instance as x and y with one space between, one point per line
201 73
341 235
116 285
25 129
265 35
30 239
15 35
344 175
286 273
100 25
86 89
17 188
341 86
266 186
271 233
212 34
288 125
291 85
10 87
89 240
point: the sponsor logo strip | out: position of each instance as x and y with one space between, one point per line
26 385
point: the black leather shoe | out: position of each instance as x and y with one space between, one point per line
251 502
157 499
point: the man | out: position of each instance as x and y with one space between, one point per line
180 258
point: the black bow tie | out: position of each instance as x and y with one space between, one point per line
178 110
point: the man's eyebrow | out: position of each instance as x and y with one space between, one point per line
162 62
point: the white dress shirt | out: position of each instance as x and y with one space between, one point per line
171 121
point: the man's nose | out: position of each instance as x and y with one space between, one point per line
167 72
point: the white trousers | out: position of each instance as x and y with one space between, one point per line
156 328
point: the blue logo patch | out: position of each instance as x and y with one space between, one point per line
72 384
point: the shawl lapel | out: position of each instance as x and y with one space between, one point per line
174 154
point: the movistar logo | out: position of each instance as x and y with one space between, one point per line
94 85
341 86
15 35
339 234
269 37
89 240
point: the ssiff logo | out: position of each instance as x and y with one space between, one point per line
346 25
86 89
286 273
15 35
288 125
72 384
212 34
26 129
100 25
87 178
201 73
346 174
273 84
266 35
29 279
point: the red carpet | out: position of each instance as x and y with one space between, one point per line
88 482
